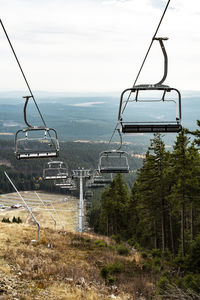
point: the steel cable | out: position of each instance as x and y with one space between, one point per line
23 74
126 102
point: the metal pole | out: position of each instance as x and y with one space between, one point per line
81 173
61 223
28 208
81 208
45 206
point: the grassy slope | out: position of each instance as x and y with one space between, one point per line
67 212
53 268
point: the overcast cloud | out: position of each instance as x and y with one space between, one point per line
98 46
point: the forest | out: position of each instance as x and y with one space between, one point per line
161 213
27 174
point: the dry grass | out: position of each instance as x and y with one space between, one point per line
67 214
64 264
67 266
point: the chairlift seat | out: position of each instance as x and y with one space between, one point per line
107 170
155 126
55 170
150 128
113 161
54 177
102 180
36 142
97 185
35 155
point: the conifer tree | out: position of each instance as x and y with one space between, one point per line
114 205
181 173
149 192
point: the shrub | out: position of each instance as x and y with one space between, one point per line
180 261
193 259
16 220
156 253
87 240
110 280
112 247
122 250
112 269
100 243
192 282
163 283
131 242
115 268
116 238
19 220
144 254
104 272
167 255
5 220
147 267
156 261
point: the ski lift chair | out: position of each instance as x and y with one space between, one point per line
102 180
172 126
55 170
99 179
61 182
113 161
73 187
68 184
97 185
35 141
91 185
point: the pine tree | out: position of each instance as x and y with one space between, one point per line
114 205
180 171
150 194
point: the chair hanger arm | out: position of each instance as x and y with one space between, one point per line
165 59
25 107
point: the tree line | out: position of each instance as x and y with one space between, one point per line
162 211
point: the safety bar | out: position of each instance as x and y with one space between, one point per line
150 88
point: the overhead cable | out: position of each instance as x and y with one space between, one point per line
23 74
161 19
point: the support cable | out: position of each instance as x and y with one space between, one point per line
23 74
152 40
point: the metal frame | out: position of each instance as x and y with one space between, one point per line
99 179
68 184
59 171
113 154
81 174
151 127
27 154
31 153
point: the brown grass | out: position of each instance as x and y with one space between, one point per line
66 265
68 218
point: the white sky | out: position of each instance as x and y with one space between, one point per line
98 45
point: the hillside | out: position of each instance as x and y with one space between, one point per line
66 265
